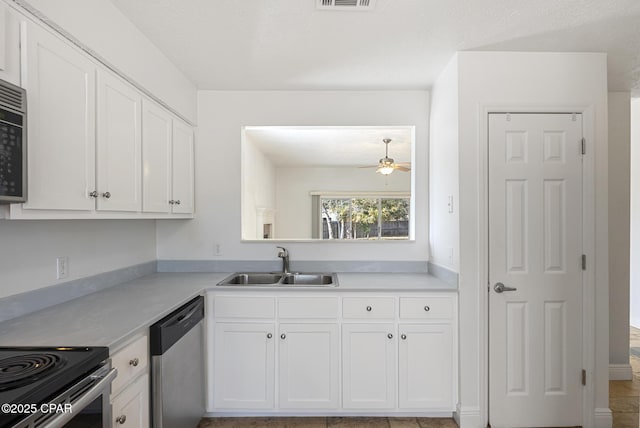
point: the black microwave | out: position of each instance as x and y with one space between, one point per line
13 143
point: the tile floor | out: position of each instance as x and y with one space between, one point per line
624 399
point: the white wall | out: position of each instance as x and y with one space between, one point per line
619 221
635 213
103 28
294 213
258 188
29 248
532 81
221 114
444 230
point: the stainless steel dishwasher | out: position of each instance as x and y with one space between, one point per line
177 367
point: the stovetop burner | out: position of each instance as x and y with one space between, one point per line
24 369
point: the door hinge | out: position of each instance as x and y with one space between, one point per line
584 262
584 377
583 146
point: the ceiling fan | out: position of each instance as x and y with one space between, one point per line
387 165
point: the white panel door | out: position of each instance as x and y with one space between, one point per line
130 409
535 247
183 178
119 145
60 84
425 372
308 366
156 158
368 366
244 366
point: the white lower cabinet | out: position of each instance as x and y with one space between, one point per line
335 353
368 366
244 366
425 366
131 407
308 366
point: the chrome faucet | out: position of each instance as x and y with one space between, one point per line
284 255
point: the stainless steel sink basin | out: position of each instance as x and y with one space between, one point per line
281 280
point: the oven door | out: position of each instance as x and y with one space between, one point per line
85 404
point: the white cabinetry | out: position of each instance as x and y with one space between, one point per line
130 388
60 84
308 366
369 366
9 44
244 365
332 353
119 145
167 162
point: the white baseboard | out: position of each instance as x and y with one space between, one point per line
602 418
468 417
620 372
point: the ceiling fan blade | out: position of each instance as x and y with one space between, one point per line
369 166
402 168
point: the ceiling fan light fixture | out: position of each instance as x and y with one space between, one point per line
385 169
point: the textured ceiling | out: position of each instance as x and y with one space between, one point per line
401 44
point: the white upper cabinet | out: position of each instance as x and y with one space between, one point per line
182 172
9 44
167 162
60 84
119 145
156 158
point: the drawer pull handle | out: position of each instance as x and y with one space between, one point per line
390 336
427 308
134 363
369 308
283 336
269 335
403 336
121 419
106 195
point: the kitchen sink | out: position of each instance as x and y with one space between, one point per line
299 279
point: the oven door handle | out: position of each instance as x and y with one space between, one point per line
91 394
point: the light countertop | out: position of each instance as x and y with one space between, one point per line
109 317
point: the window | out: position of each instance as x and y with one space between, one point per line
364 218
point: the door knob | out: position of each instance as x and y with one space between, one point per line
500 288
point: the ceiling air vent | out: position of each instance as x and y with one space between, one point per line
348 5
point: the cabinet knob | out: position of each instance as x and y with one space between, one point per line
93 194
369 308
427 308
269 335
121 419
283 336
177 202
403 336
171 202
134 362
390 336
106 195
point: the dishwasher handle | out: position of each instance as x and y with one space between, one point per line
166 332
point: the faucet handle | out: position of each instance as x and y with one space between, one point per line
283 252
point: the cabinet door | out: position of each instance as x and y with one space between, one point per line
308 363
425 367
9 44
60 84
183 178
156 158
368 366
119 145
244 366
131 407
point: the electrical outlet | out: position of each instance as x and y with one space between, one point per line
450 254
450 204
217 249
62 265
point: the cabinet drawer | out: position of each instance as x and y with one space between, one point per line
131 407
244 307
426 307
369 307
131 361
308 307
